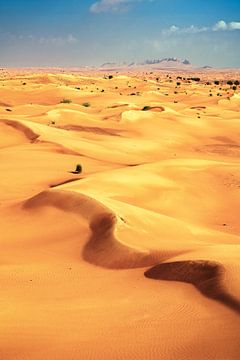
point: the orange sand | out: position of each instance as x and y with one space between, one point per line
138 256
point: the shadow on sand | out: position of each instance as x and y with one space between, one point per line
205 275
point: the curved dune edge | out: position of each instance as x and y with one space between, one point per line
206 276
29 133
34 137
106 250
156 108
103 248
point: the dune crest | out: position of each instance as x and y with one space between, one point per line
104 248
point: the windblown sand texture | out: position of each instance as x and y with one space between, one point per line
137 257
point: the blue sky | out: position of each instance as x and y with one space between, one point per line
91 32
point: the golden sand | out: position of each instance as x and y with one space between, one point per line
137 257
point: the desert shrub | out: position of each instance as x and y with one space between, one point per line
102 90
110 77
194 79
216 82
78 168
210 94
234 87
229 82
236 82
65 101
86 104
178 83
146 108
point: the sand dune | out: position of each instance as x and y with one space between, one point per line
137 256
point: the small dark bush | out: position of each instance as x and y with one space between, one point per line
146 108
65 101
229 82
78 169
234 88
194 79
86 104
178 83
236 82
216 82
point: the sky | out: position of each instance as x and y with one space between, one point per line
92 32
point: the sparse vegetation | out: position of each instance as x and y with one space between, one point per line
146 108
86 104
78 169
194 79
65 101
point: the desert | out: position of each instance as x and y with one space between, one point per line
134 254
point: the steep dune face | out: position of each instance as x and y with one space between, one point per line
141 247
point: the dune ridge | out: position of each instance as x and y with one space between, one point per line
27 131
136 257
105 249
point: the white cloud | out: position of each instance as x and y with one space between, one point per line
185 30
234 25
110 5
222 25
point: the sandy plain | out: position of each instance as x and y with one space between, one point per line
137 257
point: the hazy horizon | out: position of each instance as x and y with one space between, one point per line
90 33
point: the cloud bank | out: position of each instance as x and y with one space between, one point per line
221 25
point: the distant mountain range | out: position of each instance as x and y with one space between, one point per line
165 63
170 61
